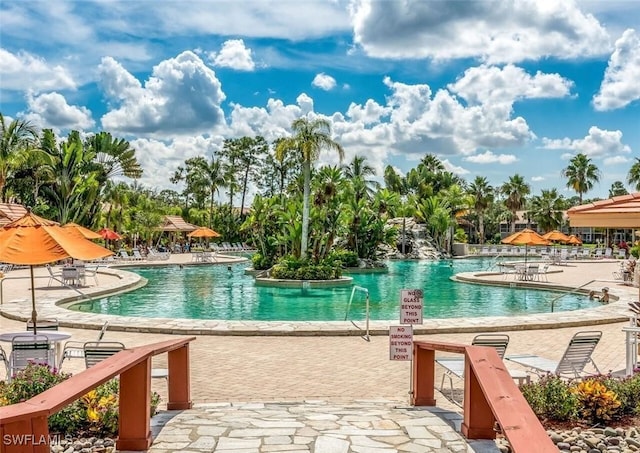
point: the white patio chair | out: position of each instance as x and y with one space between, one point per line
54 276
75 349
573 361
4 358
96 351
137 256
29 349
454 366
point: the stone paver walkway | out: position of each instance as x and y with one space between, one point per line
374 426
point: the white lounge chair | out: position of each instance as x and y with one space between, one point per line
454 366
29 349
75 349
96 351
573 361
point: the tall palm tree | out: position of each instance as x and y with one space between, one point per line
15 137
483 194
358 170
309 138
547 210
515 191
581 174
634 174
250 151
115 156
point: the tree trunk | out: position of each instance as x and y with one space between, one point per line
481 228
211 209
306 169
244 190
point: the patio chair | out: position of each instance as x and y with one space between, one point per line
454 366
124 255
4 359
137 256
75 349
96 351
29 349
43 324
54 276
573 361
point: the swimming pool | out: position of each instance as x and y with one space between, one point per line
215 292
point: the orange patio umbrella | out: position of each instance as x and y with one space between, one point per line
85 232
32 240
556 236
204 232
574 240
525 237
106 233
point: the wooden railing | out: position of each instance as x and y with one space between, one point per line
490 395
23 426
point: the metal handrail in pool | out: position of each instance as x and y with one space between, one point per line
353 291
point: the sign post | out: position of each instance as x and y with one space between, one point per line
411 306
400 342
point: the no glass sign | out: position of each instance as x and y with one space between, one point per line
411 306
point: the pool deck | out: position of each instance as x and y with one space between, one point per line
256 376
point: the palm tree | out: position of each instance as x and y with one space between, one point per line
251 149
516 190
309 138
358 170
581 174
483 194
15 137
547 210
115 156
617 189
394 181
634 174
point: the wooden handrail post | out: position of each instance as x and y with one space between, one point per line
135 408
30 435
179 379
424 369
478 419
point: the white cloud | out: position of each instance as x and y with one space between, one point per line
537 178
324 82
51 110
370 113
456 170
234 55
616 160
620 84
182 96
490 158
597 143
494 31
490 84
24 71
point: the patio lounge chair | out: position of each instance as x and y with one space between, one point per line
29 349
43 324
454 366
4 359
573 361
75 349
96 351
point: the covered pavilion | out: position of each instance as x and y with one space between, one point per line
176 226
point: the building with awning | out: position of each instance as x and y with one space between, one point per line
617 212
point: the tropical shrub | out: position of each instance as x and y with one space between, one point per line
96 412
291 268
635 251
597 403
347 258
261 262
628 392
551 398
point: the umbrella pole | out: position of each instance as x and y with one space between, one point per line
34 315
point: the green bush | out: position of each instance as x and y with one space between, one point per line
96 412
551 398
635 251
628 391
261 262
347 258
290 268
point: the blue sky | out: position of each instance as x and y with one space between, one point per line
493 88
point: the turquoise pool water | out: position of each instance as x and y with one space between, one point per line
214 292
